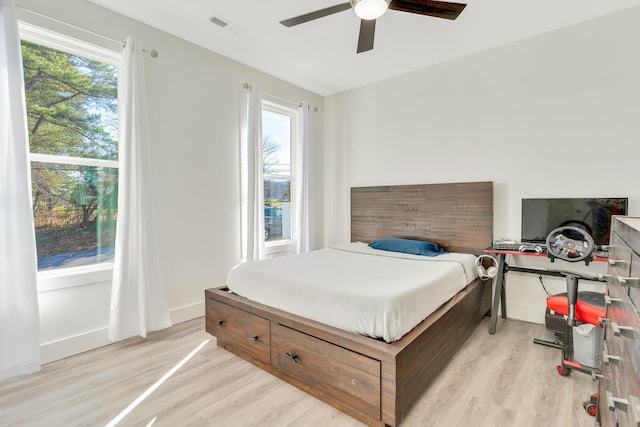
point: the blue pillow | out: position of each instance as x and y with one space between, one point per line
414 247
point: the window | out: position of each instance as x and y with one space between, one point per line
72 119
278 142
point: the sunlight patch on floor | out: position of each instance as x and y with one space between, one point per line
151 389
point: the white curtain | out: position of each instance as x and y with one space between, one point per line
138 301
252 186
304 179
19 318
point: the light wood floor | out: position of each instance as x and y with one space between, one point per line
495 380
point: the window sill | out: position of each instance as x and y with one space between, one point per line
282 246
62 278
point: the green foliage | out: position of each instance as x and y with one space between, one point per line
72 110
68 99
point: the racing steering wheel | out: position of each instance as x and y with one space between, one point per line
571 244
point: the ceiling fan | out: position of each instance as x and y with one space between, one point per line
369 10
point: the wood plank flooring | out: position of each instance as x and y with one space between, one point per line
494 380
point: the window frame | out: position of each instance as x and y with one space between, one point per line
288 108
61 278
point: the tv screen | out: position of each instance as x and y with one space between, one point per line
541 216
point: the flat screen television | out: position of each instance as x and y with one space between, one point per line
541 216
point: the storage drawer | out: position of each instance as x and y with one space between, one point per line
619 257
622 343
620 389
329 369
628 229
611 360
634 291
606 417
247 333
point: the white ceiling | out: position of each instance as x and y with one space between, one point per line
321 55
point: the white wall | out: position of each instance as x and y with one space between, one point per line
542 117
551 116
194 109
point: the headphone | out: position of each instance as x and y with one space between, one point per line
486 273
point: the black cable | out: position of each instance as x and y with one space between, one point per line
543 287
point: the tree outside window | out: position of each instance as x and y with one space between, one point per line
72 118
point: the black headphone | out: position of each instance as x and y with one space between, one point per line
486 273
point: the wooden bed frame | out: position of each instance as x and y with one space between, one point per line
369 379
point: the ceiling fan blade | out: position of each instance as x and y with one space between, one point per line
438 9
367 33
315 15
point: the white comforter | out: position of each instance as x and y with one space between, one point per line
356 288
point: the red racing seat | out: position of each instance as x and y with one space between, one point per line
589 306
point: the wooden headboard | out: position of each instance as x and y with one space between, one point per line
458 216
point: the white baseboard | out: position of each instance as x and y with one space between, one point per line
70 346
187 312
526 313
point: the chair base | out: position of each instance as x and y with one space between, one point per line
554 344
589 305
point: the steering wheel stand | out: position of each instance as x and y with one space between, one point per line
570 244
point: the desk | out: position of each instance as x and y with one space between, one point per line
499 295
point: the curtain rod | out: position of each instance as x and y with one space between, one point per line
247 86
314 107
152 52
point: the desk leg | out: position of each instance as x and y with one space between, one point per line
503 291
499 295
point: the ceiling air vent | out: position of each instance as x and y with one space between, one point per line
226 24
219 22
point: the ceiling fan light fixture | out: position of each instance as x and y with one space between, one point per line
370 9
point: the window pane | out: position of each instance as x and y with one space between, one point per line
276 143
276 150
75 211
72 111
72 104
277 209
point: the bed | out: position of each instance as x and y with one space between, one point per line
371 376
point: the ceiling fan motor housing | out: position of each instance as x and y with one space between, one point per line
370 9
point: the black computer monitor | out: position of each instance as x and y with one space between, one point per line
541 216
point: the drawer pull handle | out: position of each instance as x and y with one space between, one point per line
616 402
626 331
616 261
609 358
253 338
218 322
596 377
612 301
293 357
629 281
